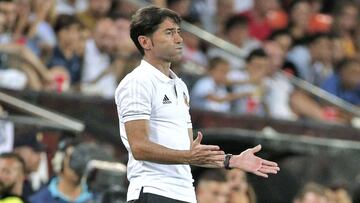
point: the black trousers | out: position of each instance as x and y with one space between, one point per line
153 198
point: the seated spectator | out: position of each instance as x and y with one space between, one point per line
345 82
310 193
192 46
240 189
29 148
67 186
68 30
313 61
97 10
12 175
210 92
252 80
212 187
97 77
236 32
346 21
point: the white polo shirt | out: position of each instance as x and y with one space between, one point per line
146 93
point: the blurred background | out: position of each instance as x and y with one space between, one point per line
281 73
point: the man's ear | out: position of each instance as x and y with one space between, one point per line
145 42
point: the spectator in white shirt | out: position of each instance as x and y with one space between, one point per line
210 92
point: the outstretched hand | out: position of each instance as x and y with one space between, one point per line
249 162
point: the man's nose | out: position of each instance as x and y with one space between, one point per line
178 39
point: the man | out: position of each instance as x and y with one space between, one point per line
311 193
155 125
212 187
12 175
67 186
29 148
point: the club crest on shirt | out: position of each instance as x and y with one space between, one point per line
186 100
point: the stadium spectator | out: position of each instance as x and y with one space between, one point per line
97 10
97 78
252 79
314 61
311 193
29 148
236 32
212 187
345 82
210 92
12 175
346 21
240 188
64 55
67 186
192 45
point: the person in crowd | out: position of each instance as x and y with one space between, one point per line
252 80
212 187
64 55
346 21
29 148
236 32
310 193
97 77
240 189
70 163
211 92
96 11
313 61
345 82
12 175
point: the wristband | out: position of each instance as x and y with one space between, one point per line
227 161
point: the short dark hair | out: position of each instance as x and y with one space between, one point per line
147 20
344 63
12 155
65 21
213 62
217 175
234 21
256 53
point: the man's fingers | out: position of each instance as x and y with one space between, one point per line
258 173
256 149
269 163
265 169
210 147
198 138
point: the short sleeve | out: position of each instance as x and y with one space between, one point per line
133 100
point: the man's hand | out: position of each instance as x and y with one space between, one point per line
247 161
205 155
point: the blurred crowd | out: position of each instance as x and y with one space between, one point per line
83 46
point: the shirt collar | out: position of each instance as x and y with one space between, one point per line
83 197
161 76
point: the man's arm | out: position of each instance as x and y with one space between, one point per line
245 161
143 149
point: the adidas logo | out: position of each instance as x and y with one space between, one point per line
166 100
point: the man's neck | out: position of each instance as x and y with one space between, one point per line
162 66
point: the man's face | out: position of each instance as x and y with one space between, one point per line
10 174
99 7
105 36
213 192
314 198
9 10
350 76
166 42
31 158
